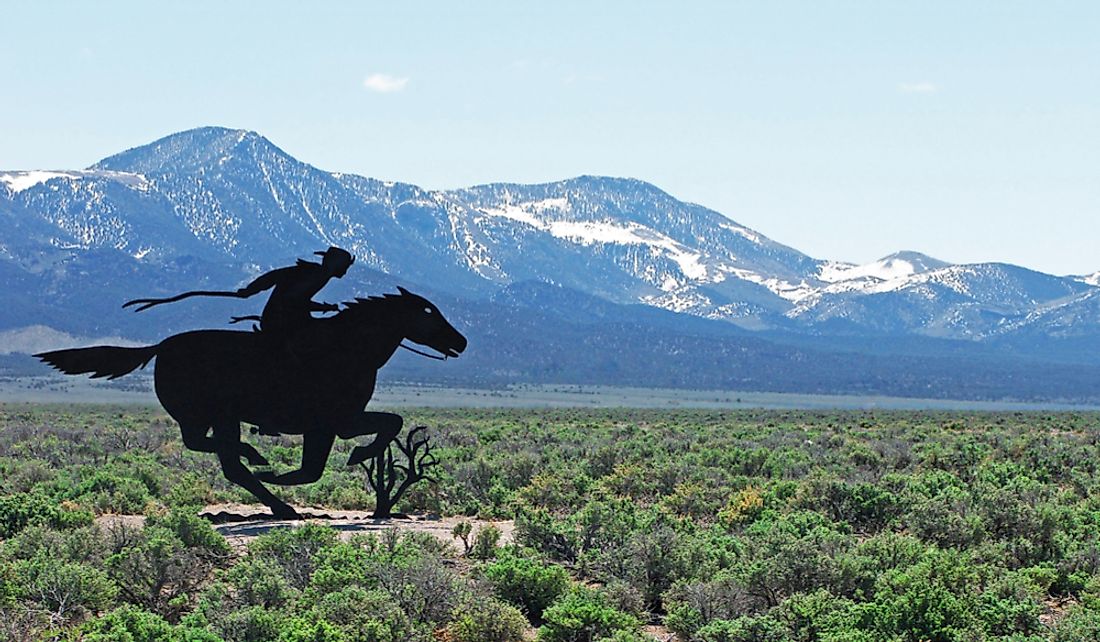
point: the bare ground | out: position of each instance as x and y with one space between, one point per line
241 523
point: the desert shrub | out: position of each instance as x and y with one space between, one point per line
690 605
788 554
67 591
128 624
19 510
626 598
298 629
742 507
528 584
485 542
647 559
108 491
582 615
934 599
294 550
461 531
743 629
425 589
250 624
194 531
821 615
487 620
260 582
364 616
1080 623
163 564
538 529
867 507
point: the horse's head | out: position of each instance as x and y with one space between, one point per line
424 324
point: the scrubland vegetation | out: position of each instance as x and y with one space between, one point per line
719 526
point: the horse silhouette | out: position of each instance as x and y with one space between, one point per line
315 383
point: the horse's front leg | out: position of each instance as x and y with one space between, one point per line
384 425
315 450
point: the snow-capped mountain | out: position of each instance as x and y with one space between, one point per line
1091 279
215 196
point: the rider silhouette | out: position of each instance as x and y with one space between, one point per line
291 303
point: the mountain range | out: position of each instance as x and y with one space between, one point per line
591 279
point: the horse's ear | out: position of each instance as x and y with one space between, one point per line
403 291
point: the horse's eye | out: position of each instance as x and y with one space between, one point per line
427 310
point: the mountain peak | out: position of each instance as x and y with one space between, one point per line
919 262
191 150
897 265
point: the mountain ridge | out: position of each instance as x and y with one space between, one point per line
228 197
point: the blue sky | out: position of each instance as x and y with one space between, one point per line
849 130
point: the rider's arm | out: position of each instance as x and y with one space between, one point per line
261 283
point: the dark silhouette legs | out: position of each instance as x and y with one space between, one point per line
385 425
315 450
226 445
316 447
194 438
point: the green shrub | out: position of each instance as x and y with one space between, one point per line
67 590
1080 623
19 510
743 629
527 583
160 571
260 582
128 624
487 620
364 616
295 550
485 542
251 624
581 615
299 629
107 491
193 531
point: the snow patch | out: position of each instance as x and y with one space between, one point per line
743 231
590 232
1091 279
20 181
515 213
24 180
883 269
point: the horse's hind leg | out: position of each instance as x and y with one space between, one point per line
227 448
194 438
315 450
385 425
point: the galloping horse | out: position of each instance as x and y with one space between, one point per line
315 384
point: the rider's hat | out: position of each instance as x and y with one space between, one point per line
337 257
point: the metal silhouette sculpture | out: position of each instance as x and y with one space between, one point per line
310 376
291 301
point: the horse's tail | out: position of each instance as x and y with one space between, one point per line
102 361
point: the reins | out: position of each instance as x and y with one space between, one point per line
423 354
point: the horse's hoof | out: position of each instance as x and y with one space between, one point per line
285 513
265 476
258 460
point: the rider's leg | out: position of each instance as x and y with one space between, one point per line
315 450
385 425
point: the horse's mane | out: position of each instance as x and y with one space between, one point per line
364 306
